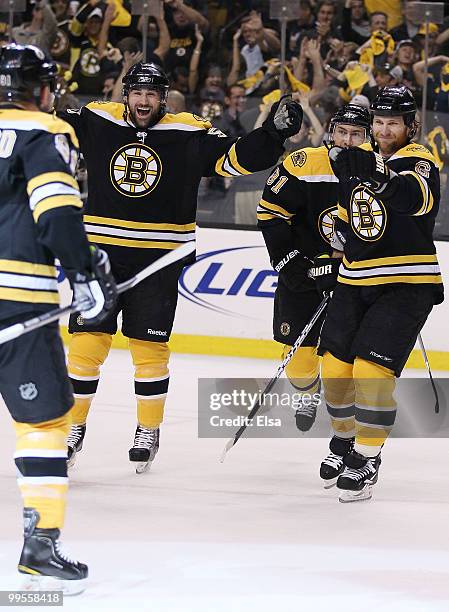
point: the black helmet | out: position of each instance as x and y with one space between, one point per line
149 75
351 114
396 102
23 71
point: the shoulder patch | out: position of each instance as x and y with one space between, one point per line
216 132
298 158
63 147
186 119
414 150
423 168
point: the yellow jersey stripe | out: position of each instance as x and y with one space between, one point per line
34 297
390 261
25 267
220 170
232 157
51 177
55 202
136 244
275 208
342 213
427 196
385 280
172 227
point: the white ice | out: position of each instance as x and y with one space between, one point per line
256 533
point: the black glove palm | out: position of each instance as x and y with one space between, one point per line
285 118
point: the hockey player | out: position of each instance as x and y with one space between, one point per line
40 219
296 216
388 282
144 167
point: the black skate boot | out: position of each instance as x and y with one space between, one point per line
305 413
333 465
360 475
47 567
146 445
75 443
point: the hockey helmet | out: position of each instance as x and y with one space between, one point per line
146 75
23 71
351 114
396 102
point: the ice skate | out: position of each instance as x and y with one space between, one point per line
305 413
43 562
358 478
146 445
333 465
75 443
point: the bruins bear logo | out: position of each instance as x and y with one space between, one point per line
135 170
326 223
368 215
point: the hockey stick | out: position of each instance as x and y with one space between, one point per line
18 329
278 374
432 382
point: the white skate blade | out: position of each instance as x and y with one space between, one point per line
71 462
328 484
355 496
143 466
38 584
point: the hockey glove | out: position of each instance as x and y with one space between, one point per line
95 292
367 166
325 272
285 118
293 270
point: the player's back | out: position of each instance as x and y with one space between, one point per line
30 184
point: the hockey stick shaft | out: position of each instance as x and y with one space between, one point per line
18 329
276 377
432 382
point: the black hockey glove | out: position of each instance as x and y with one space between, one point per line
293 269
325 272
367 166
96 291
285 118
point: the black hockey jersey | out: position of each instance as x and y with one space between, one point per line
40 210
298 208
143 184
389 239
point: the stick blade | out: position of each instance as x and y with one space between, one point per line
229 444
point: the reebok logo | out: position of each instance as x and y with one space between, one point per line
383 357
156 332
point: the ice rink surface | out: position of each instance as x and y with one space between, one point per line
254 534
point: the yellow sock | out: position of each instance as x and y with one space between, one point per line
41 460
150 380
375 406
339 392
87 352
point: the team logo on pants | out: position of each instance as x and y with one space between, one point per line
285 329
135 170
368 214
326 223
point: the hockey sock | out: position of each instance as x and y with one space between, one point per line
87 352
41 460
375 408
150 380
339 392
303 370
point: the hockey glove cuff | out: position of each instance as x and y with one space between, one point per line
325 272
293 269
285 119
95 293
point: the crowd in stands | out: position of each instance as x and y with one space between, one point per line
223 56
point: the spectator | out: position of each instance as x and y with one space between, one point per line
176 102
325 24
90 29
355 25
405 58
305 21
437 82
158 40
61 49
308 69
392 8
410 26
109 81
378 21
40 31
131 53
213 85
260 43
181 27
235 102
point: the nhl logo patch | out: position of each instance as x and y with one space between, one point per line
79 320
299 158
28 391
285 329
